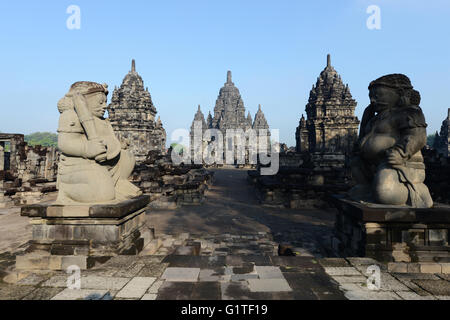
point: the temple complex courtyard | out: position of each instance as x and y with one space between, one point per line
230 247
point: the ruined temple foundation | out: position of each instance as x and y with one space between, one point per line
82 235
396 234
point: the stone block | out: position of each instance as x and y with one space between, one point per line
181 274
398 267
268 285
445 268
103 283
430 267
413 267
136 288
269 272
155 287
81 294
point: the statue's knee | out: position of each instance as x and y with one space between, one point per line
95 187
388 189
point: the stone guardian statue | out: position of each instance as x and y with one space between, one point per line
388 166
94 165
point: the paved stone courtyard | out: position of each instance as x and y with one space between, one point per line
225 249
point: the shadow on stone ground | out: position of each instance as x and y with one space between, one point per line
231 207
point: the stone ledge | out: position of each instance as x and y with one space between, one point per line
365 212
118 210
422 267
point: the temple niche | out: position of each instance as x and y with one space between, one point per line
132 115
331 125
229 113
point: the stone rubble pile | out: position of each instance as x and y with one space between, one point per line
27 173
171 186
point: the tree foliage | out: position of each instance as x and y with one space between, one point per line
47 139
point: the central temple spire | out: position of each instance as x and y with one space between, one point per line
133 66
229 76
328 60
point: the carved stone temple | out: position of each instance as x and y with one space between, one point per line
132 115
229 113
319 164
331 125
442 140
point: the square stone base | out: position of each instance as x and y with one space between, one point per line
392 233
83 235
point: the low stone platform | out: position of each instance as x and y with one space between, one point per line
392 233
83 235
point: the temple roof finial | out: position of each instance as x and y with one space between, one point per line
133 66
328 60
198 107
228 76
259 107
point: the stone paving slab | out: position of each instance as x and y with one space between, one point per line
43 293
211 274
241 291
131 270
408 295
34 279
334 262
371 295
81 294
136 288
153 270
175 290
149 296
181 274
12 292
436 287
194 261
269 272
106 283
155 287
301 262
268 285
313 285
342 271
59 281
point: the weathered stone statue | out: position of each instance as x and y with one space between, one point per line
94 165
388 165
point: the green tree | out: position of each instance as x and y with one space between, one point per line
47 139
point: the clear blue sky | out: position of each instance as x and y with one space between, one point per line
275 49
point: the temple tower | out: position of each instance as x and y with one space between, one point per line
442 140
331 125
132 115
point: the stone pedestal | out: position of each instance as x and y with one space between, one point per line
392 233
81 235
